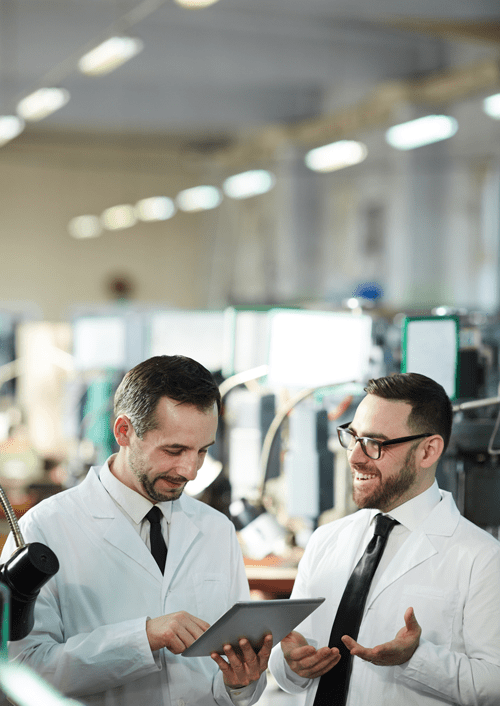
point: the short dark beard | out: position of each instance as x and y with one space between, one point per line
393 488
153 494
149 486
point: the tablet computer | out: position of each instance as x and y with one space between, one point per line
253 620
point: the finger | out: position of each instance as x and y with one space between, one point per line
234 661
266 648
349 642
320 667
294 639
201 624
356 649
248 653
325 667
410 620
221 663
300 653
320 657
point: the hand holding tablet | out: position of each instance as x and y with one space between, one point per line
252 620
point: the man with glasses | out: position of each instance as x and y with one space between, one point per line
427 628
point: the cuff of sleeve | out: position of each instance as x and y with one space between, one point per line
243 695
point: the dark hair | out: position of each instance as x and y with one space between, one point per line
175 376
431 406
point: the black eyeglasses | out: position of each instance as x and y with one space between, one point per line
371 447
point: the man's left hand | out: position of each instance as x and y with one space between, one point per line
243 669
391 653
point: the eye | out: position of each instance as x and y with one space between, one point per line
173 453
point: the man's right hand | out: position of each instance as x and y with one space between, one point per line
175 631
304 659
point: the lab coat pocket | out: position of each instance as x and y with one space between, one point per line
212 595
434 610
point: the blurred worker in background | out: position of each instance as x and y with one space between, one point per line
134 589
429 631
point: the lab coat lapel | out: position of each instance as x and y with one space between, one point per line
419 546
112 526
183 532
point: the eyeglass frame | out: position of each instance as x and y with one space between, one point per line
380 444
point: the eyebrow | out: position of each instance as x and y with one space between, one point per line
182 446
371 435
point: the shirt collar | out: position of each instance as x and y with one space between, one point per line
135 505
412 513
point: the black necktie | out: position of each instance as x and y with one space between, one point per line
158 546
333 686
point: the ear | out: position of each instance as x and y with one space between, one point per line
123 430
431 451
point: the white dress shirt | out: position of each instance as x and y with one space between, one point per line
135 506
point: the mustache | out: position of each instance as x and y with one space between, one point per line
180 480
364 467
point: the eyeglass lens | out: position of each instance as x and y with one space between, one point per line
371 447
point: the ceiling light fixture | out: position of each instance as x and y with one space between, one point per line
195 4
82 227
337 155
109 55
155 208
199 198
10 127
491 106
247 184
41 103
119 217
420 132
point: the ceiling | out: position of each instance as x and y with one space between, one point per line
233 67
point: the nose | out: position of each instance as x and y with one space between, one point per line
356 454
189 466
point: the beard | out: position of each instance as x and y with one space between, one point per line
390 489
138 468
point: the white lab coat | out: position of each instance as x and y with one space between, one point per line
89 638
449 571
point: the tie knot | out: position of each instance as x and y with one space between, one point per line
154 515
384 524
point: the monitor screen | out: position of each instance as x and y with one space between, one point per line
314 349
99 342
196 334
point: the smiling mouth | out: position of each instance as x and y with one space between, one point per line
362 476
172 483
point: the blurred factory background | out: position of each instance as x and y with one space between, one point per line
173 199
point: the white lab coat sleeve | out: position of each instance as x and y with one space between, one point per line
473 678
85 663
285 677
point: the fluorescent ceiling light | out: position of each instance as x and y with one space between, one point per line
337 155
41 103
423 131
193 4
118 217
491 106
156 208
85 227
199 198
10 127
109 55
246 184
